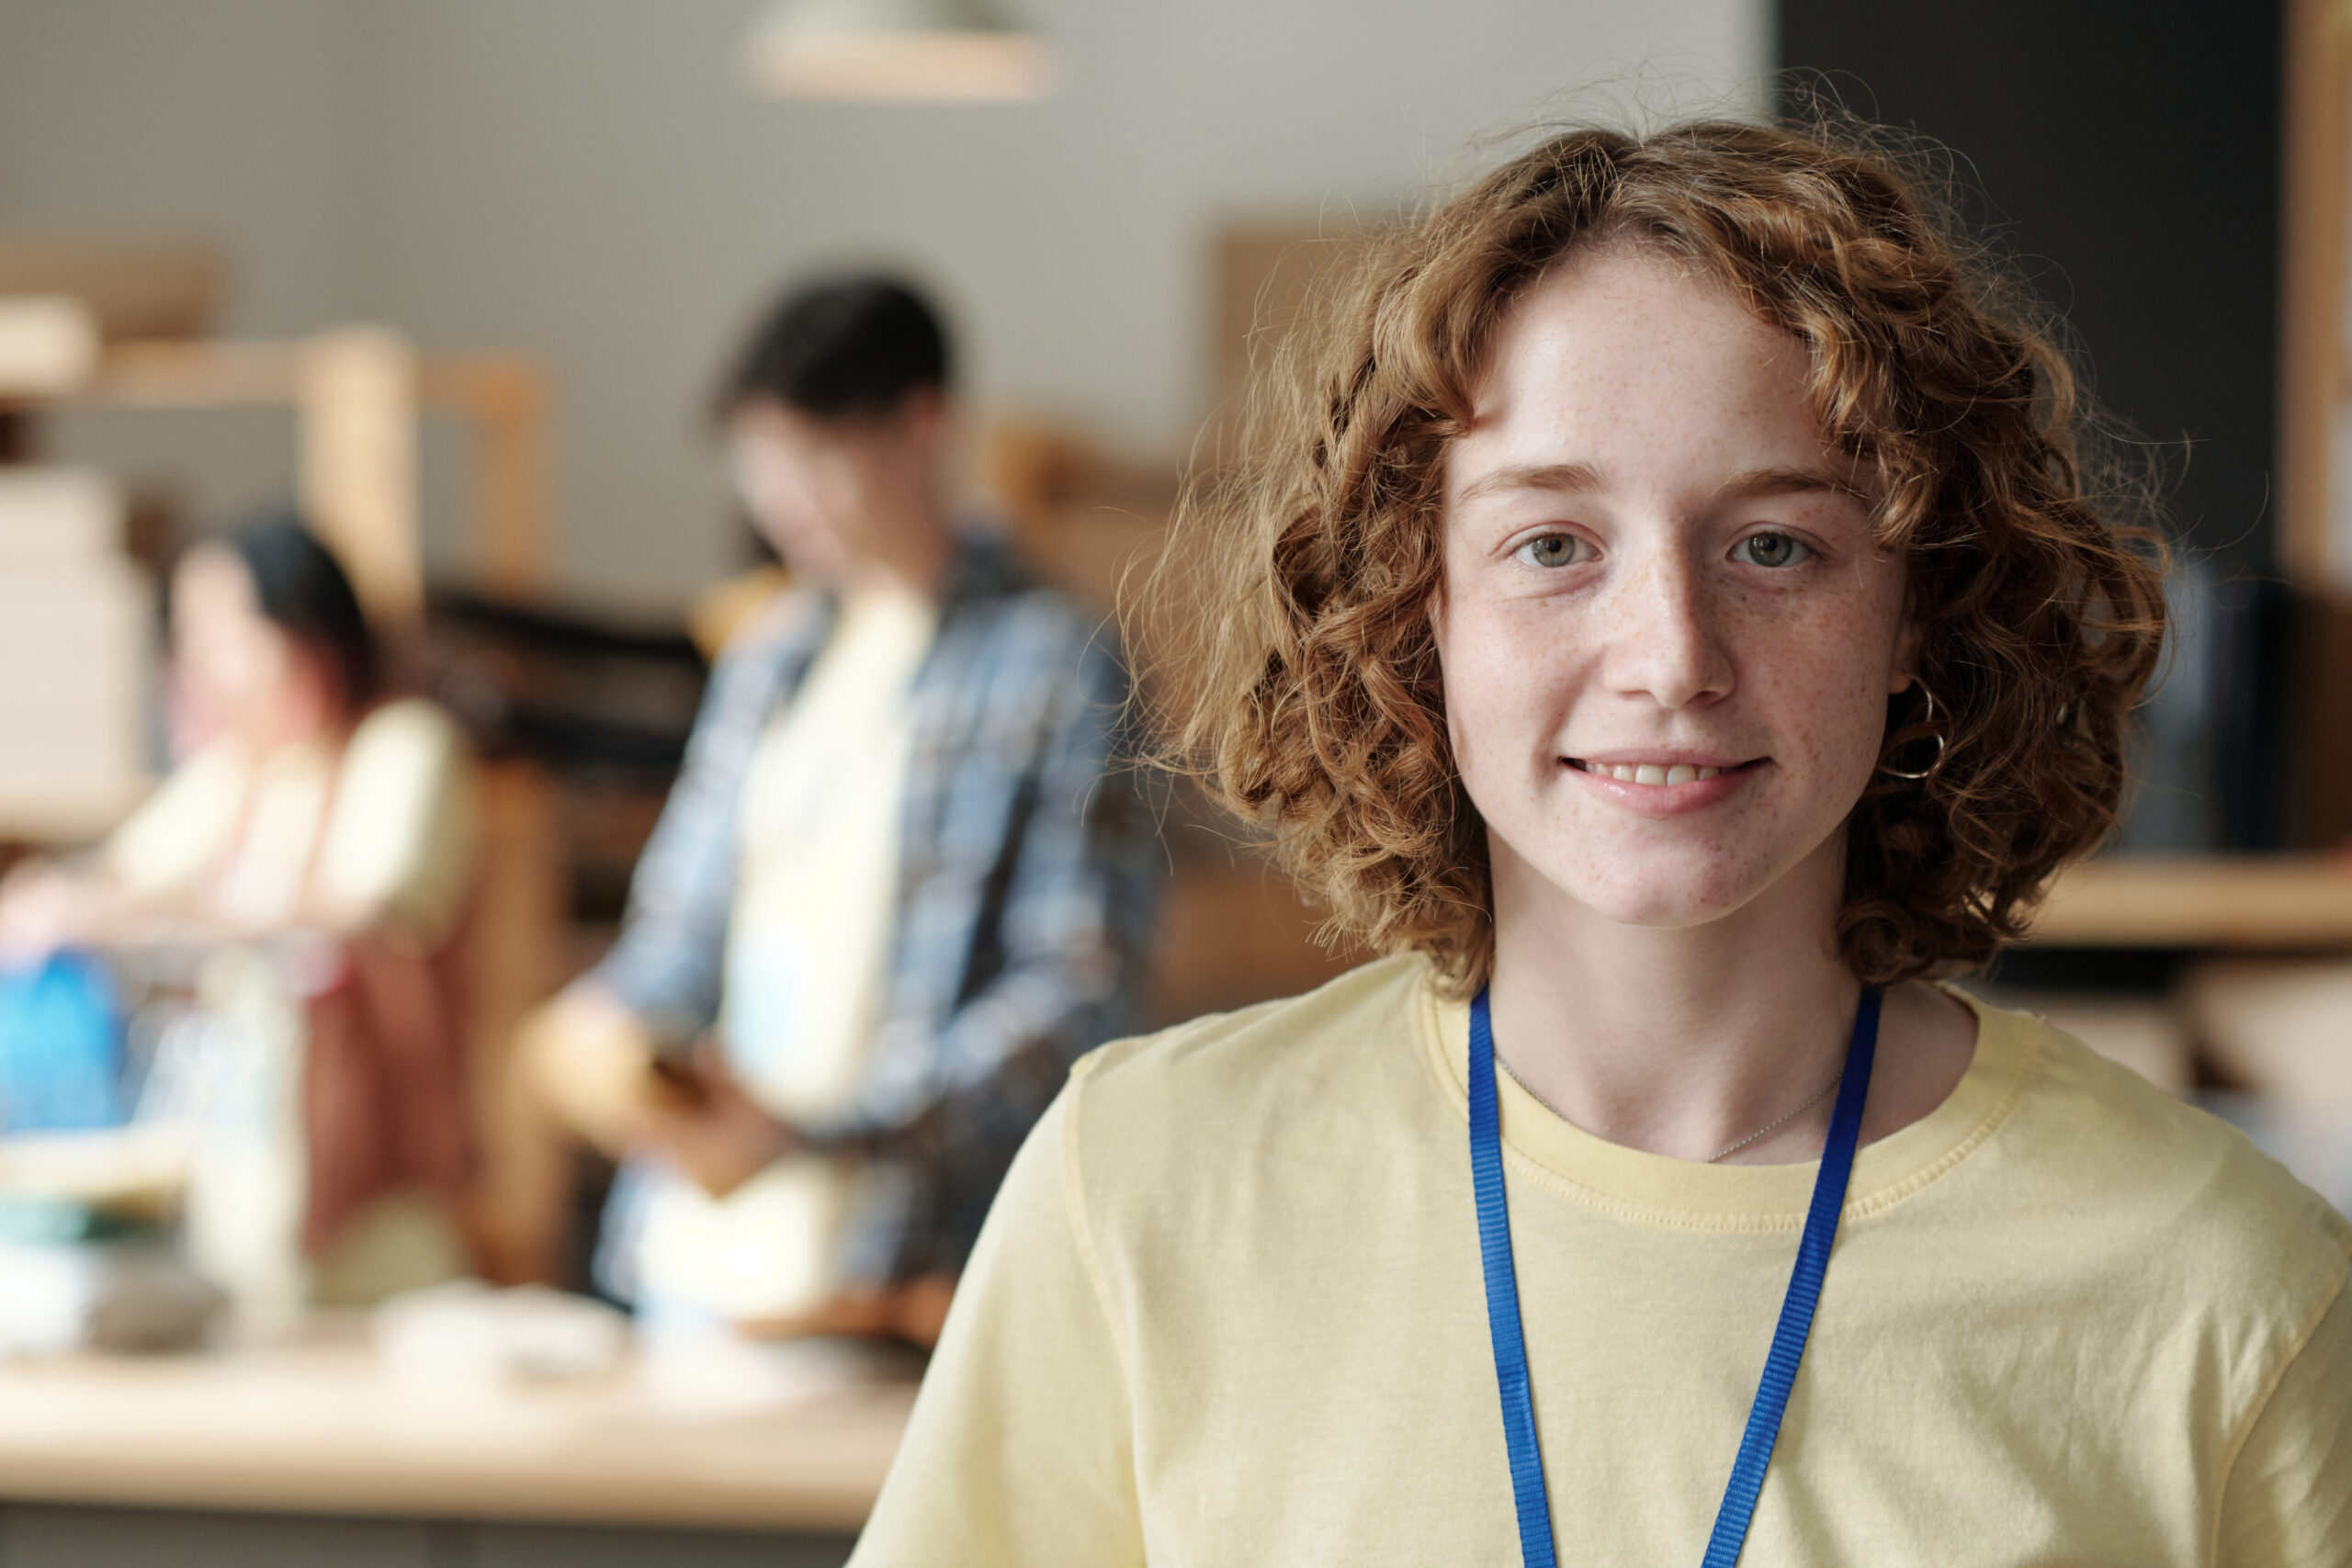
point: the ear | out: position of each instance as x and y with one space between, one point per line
1908 636
923 415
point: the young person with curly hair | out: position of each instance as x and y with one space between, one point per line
1666 611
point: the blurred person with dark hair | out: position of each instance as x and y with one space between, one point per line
896 890
305 867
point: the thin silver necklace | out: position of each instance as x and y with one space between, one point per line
1728 1149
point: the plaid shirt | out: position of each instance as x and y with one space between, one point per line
1028 879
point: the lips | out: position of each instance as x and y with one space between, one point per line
1664 786
1662 771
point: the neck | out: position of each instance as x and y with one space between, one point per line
911 557
1677 1041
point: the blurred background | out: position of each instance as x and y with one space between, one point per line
458 279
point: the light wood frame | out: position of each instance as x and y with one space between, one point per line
2315 380
356 393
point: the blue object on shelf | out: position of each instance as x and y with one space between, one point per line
60 1047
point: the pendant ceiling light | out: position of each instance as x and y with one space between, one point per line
899 50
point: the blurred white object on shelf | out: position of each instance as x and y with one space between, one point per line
75 646
465 1334
58 519
2281 1027
131 1297
48 345
2144 1033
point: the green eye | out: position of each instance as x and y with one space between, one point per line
1551 549
1771 551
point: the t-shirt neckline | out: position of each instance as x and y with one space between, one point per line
1634 1184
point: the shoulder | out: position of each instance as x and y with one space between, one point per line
767 654
1019 650
1223 1052
185 819
407 766
1202 1096
413 730
793 622
992 583
416 718
2208 1212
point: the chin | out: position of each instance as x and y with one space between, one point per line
1658 909
1661 891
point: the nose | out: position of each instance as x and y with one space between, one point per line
1664 636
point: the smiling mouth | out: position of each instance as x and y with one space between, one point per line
1660 774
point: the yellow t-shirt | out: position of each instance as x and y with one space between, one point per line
1229 1311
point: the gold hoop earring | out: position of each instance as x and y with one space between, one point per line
1928 716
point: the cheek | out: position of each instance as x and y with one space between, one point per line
844 493
228 665
1507 684
1824 675
777 496
274 667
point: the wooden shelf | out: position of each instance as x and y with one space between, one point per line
356 393
48 817
2284 902
319 1427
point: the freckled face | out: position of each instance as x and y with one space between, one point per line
1666 633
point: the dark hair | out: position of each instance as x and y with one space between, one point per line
300 587
849 347
1312 700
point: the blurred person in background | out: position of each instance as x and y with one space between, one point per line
302 872
899 887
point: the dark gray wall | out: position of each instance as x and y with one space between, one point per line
2127 151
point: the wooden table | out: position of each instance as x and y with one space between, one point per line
794 1444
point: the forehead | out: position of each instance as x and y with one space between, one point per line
1634 362
210 577
764 424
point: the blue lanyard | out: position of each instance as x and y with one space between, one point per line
1788 1339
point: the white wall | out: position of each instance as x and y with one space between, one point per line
218 120
587 179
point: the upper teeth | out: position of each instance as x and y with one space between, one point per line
1651 772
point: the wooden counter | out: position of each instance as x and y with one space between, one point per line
794 1443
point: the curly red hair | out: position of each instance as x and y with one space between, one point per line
1309 697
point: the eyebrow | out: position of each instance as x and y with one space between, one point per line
1533 475
1783 482
1568 477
